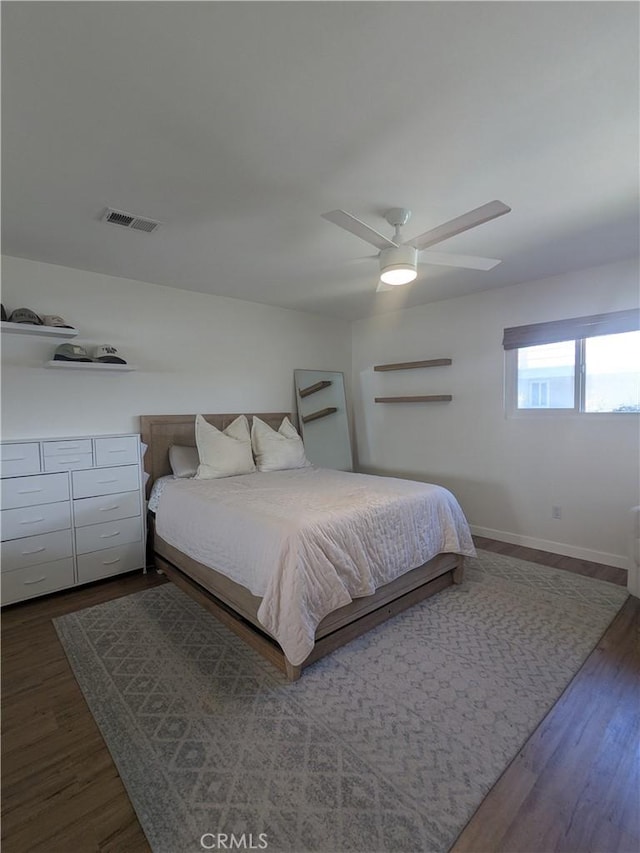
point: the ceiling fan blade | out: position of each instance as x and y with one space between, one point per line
462 223
467 262
363 258
360 229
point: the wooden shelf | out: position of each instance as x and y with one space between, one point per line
321 413
37 331
305 392
90 365
411 365
431 398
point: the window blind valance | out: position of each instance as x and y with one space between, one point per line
571 330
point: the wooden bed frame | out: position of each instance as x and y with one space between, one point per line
234 605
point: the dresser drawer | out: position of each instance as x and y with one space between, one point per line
70 462
69 447
33 550
36 580
111 561
95 537
105 481
117 451
106 508
18 459
29 491
29 521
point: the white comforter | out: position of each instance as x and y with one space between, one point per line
310 540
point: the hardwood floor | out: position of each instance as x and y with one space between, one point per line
573 787
60 788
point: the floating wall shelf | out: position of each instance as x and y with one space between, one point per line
37 331
431 398
321 413
305 392
410 365
90 365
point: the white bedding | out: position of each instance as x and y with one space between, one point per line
308 541
156 491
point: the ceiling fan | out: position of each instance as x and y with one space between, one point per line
399 258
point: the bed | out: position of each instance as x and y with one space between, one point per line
300 562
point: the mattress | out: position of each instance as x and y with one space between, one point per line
309 541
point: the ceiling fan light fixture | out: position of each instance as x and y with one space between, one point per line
399 274
398 265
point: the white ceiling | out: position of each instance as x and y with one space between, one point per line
237 124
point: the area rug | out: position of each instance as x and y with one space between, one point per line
389 744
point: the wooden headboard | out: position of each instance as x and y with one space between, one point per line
159 432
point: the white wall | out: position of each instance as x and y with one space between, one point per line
197 352
193 352
507 473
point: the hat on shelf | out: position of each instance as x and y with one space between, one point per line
25 315
108 354
55 320
4 313
71 352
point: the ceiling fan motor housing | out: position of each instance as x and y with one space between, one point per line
397 258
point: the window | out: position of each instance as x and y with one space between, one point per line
584 365
612 373
546 376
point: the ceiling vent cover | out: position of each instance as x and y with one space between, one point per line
129 220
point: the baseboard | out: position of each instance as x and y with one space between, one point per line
619 561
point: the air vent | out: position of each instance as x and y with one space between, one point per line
144 225
128 220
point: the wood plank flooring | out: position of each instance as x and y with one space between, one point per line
572 788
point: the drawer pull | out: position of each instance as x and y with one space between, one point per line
35 551
67 461
32 520
120 450
109 535
37 580
28 491
114 480
68 447
110 562
108 508
14 459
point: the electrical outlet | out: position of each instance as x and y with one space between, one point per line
556 512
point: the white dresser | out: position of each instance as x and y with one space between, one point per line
72 512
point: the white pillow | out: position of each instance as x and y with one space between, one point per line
183 460
276 451
223 454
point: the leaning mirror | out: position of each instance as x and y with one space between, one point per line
322 417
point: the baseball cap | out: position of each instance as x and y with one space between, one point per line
71 352
4 313
25 315
55 320
108 354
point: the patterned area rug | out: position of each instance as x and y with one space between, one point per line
389 744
